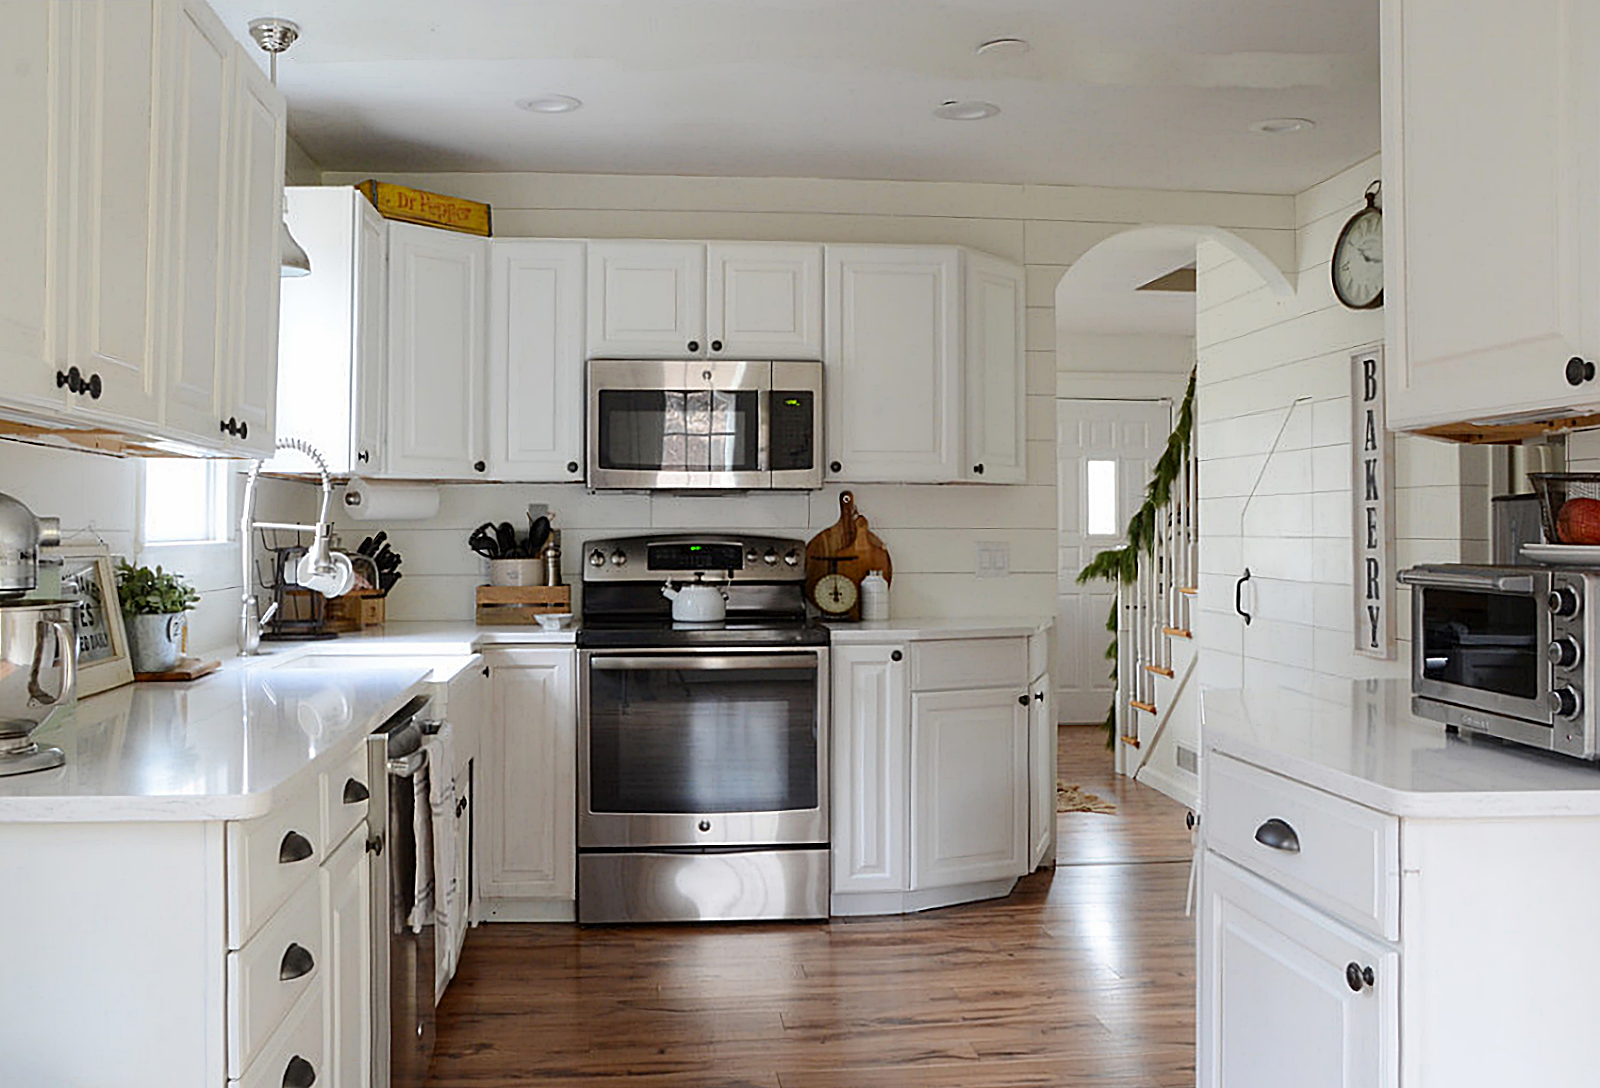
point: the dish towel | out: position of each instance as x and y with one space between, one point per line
449 907
422 828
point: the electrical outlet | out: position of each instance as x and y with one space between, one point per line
993 559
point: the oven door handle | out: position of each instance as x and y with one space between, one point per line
1492 583
702 662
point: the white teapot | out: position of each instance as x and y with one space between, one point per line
697 602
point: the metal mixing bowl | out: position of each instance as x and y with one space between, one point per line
38 670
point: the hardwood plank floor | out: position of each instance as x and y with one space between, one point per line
1084 975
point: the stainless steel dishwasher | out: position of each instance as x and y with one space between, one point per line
402 935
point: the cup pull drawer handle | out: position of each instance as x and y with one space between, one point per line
297 963
299 1073
355 791
295 847
1279 836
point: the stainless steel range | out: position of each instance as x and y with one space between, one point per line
702 747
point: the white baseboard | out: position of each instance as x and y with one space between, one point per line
1186 793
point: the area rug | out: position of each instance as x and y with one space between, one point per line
1074 799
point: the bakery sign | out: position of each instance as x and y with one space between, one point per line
1372 497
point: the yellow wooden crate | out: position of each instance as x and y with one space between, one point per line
429 209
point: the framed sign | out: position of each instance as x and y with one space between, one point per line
88 578
1372 499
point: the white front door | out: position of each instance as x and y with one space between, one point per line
1105 452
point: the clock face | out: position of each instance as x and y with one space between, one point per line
834 594
1358 261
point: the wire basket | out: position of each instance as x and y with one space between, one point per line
1555 488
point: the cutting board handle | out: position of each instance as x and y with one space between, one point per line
847 516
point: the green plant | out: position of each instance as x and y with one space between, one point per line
146 592
1122 564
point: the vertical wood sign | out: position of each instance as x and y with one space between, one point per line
1372 497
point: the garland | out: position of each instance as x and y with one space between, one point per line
1121 565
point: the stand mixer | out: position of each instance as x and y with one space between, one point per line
38 642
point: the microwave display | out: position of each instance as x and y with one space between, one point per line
1482 641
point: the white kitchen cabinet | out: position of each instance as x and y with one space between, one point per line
1491 201
969 786
763 300
346 881
436 388
1277 1006
528 788
330 343
871 774
647 299
892 381
1043 742
996 371
536 357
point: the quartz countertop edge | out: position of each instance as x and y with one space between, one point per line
925 628
1371 749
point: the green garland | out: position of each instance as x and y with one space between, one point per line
1121 565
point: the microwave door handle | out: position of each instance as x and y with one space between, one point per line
764 426
1493 583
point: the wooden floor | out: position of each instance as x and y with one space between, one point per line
1083 976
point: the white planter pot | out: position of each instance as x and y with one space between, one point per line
155 641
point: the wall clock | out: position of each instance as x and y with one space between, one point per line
1357 266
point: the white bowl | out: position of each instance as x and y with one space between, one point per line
554 621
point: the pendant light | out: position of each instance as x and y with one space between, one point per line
274 36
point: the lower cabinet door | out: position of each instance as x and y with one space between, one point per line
871 717
1285 994
346 919
969 786
1041 772
529 785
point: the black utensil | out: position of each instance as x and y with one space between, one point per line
538 536
378 539
507 536
365 547
483 541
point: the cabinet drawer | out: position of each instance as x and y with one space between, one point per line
345 791
268 857
297 1052
958 664
271 972
1342 856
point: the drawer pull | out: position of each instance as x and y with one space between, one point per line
299 1073
355 792
295 847
1279 836
297 963
1357 976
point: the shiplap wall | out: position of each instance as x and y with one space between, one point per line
97 498
1101 366
1257 353
930 530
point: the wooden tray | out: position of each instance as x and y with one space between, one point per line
187 668
521 604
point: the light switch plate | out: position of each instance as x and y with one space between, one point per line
993 559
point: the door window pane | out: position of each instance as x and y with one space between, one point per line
1100 499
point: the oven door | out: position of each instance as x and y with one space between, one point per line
1479 638
667 423
705 749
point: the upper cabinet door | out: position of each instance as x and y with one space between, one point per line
255 184
536 361
647 299
763 300
197 82
893 353
1491 217
370 361
33 129
436 353
997 420
109 305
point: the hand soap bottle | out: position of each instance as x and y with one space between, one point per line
874 596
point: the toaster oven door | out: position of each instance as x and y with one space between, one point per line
1482 646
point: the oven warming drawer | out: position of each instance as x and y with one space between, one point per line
731 886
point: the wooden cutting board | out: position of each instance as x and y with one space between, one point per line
848 547
187 668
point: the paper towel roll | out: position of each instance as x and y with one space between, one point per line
366 500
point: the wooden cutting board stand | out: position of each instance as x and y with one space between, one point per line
848 547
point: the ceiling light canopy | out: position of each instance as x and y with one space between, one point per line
1003 47
1282 126
969 110
549 103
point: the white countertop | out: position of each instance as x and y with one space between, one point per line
920 627
1370 748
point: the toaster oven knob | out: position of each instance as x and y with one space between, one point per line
618 557
597 558
1563 601
792 557
1565 653
1565 702
771 557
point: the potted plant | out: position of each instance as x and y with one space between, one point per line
154 605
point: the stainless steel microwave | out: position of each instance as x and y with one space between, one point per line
709 424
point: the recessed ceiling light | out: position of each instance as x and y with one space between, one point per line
1282 126
1003 47
970 110
549 103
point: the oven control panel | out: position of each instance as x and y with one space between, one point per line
717 557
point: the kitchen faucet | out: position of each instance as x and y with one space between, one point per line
322 569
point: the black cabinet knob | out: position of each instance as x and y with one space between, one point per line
363 457
461 806
297 962
834 466
244 429
62 378
1579 370
694 345
486 670
355 791
93 387
1189 820
299 1073
897 656
479 466
1023 700
705 825
375 844
295 847
1357 976
222 425
977 469
572 466
1038 696
716 345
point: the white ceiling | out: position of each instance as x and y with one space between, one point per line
1147 93
1100 294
